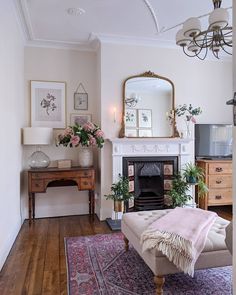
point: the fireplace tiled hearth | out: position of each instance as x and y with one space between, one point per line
150 164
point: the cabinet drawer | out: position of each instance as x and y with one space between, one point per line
220 196
220 168
61 174
220 181
37 186
86 183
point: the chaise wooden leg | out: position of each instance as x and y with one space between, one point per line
159 281
126 244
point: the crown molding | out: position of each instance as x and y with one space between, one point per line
20 17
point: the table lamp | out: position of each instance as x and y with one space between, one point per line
38 136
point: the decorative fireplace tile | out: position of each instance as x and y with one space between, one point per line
168 169
167 184
131 186
130 170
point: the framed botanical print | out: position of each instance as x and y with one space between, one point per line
81 101
145 118
48 104
131 132
80 119
131 118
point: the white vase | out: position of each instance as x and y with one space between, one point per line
85 158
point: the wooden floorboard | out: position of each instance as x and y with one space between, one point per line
36 264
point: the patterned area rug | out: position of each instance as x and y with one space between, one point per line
98 265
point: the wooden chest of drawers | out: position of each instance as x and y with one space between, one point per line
218 178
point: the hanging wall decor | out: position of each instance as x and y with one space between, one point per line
80 98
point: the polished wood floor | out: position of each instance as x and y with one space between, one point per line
36 264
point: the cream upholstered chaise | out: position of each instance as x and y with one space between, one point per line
214 254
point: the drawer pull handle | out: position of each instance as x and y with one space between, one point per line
85 183
85 173
219 169
218 181
218 197
36 184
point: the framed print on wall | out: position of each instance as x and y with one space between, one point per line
48 104
131 132
81 101
145 118
130 118
80 119
145 132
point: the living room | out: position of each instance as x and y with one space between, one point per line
101 63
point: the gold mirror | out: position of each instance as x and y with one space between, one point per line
147 101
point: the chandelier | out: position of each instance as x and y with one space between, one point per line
218 36
132 100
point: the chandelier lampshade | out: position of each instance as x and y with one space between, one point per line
192 27
216 38
218 19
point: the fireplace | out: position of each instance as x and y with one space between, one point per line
150 180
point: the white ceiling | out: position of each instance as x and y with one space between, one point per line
47 21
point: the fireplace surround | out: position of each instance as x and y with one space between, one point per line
124 150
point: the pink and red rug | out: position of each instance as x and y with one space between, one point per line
98 265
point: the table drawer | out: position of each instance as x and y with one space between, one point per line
86 183
220 196
61 174
221 181
220 168
37 186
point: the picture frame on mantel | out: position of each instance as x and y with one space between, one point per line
80 119
48 104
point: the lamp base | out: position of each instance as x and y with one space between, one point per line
39 160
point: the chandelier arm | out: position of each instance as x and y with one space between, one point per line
223 39
222 47
188 53
202 58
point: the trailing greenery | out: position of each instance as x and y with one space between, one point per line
120 190
179 190
189 111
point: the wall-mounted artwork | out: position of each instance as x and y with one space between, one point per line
130 118
80 119
81 98
145 118
48 104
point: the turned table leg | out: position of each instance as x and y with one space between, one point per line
126 243
159 281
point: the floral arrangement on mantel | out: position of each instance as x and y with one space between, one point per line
86 135
185 110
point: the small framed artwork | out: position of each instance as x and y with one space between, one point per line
48 104
145 118
130 118
131 132
168 169
131 203
130 170
81 101
80 119
145 133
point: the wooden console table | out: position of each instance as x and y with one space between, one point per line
40 179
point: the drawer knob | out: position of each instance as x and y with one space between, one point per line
85 183
219 169
36 184
218 197
218 181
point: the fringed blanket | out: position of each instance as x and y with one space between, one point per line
180 235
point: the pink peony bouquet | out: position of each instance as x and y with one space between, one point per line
88 134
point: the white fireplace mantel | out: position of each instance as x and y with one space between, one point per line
148 147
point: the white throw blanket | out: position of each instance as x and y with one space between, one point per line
180 235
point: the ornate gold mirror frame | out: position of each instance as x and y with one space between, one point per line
149 74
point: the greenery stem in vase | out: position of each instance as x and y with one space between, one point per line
190 113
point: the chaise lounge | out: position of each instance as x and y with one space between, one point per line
214 254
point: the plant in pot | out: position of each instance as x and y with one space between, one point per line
120 193
193 174
179 191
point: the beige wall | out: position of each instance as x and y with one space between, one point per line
206 84
11 121
72 67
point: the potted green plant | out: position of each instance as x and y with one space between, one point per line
179 191
192 173
120 193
